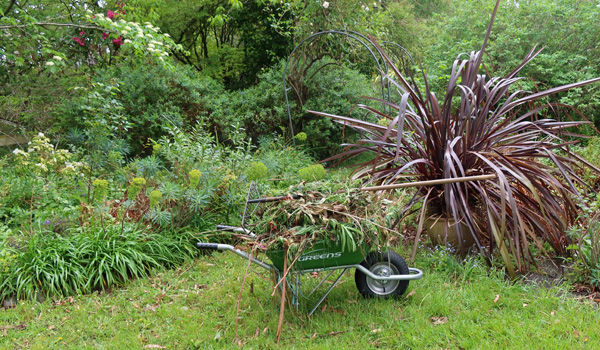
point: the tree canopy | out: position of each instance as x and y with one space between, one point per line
55 51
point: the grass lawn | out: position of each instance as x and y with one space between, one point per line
194 307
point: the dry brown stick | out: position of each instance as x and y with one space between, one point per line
420 228
332 333
282 305
430 182
74 25
286 270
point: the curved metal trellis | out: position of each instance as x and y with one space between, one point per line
365 42
383 43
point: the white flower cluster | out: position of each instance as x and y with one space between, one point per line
73 166
18 151
140 37
54 61
41 157
151 27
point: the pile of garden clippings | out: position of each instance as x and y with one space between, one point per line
353 217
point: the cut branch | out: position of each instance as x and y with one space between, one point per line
74 25
431 182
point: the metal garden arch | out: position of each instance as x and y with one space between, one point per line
366 42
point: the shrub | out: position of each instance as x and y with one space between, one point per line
41 186
591 153
136 104
569 41
261 109
314 172
257 171
586 237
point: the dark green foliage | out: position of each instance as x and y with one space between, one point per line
120 119
263 46
146 100
28 104
261 109
565 28
229 41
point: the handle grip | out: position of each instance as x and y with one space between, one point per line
209 246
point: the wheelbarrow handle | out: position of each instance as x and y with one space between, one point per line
225 227
208 246
218 246
235 229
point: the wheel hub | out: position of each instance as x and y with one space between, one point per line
382 287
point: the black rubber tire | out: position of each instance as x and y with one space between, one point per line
386 263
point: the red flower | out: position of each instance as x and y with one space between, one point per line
105 35
118 41
82 33
110 14
79 41
123 11
120 5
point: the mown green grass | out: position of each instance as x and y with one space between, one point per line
194 307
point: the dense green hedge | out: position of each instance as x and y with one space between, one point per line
133 105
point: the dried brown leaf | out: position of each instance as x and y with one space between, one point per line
439 320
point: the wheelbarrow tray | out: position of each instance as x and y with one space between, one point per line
321 255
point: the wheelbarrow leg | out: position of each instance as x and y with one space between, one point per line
297 291
328 291
320 283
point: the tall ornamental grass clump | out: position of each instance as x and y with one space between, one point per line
95 259
483 125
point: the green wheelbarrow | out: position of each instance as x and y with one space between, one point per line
377 274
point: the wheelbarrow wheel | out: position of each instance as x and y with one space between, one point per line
382 264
